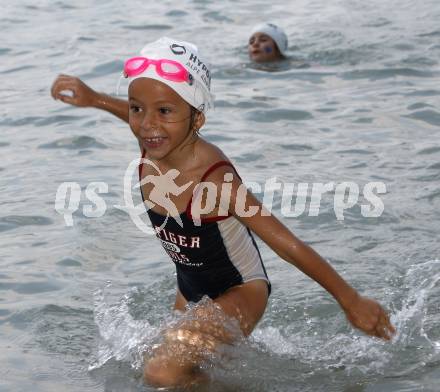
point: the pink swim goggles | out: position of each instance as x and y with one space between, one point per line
167 69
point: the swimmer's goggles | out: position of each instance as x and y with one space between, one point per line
167 69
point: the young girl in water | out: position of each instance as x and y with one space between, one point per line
213 248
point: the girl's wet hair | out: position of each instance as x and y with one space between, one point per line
192 118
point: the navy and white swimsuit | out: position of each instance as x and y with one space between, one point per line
210 258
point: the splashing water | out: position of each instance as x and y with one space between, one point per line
123 338
305 349
418 320
416 343
203 331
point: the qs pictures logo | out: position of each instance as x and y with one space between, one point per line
294 199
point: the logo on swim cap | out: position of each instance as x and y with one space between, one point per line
175 49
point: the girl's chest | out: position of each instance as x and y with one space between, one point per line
168 193
166 201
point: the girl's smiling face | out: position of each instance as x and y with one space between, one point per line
262 48
160 119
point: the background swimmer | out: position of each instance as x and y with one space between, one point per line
267 43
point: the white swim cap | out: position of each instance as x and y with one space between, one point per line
197 94
274 32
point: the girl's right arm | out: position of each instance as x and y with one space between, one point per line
363 313
84 96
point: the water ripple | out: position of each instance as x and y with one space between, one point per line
352 56
435 33
176 13
364 120
434 166
378 74
18 69
418 105
429 150
148 27
109 68
356 151
20 121
250 157
68 262
241 104
266 116
217 16
58 119
11 222
75 142
31 287
423 93
429 116
215 138
296 147
58 329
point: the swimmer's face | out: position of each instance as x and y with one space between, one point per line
160 119
263 49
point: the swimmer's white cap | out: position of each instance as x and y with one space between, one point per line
198 94
274 32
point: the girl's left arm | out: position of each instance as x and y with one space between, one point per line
83 95
363 313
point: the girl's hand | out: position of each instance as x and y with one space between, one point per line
80 94
367 315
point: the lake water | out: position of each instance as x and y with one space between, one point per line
78 304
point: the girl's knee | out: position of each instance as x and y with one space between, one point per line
163 373
166 372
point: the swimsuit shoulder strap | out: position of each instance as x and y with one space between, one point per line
211 169
214 167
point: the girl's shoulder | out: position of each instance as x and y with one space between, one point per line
214 162
209 154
